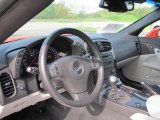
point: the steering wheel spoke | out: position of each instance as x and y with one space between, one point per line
95 64
81 96
54 70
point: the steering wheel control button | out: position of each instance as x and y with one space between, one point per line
54 70
77 67
57 70
95 64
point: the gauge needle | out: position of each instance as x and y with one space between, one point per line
33 61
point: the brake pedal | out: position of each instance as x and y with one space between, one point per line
41 107
149 89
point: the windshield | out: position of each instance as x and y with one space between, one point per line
84 15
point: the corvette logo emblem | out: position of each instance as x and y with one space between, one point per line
77 67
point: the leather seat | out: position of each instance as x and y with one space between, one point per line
153 107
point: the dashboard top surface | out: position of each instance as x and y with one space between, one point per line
119 44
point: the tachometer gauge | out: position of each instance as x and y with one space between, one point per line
52 55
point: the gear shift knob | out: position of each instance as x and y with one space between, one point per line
113 82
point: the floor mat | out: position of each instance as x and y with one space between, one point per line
103 110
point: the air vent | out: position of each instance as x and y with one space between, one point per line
138 47
7 85
103 46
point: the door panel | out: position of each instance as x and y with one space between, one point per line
146 68
148 45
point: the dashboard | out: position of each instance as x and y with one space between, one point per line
22 86
23 63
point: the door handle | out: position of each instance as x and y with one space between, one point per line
157 53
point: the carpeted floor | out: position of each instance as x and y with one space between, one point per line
105 110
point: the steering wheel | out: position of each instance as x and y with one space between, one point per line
72 72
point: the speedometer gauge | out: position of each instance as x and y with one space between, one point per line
30 59
33 56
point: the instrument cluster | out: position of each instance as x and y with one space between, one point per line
27 59
31 56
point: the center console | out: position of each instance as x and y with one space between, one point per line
106 51
109 67
113 89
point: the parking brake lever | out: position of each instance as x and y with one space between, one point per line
149 89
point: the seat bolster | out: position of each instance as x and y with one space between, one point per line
153 106
140 116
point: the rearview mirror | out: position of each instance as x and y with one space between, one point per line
117 5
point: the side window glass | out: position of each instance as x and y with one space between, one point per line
151 31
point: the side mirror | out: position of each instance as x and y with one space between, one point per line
117 5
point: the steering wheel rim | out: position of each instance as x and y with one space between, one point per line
80 99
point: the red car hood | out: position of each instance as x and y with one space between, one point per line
11 39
